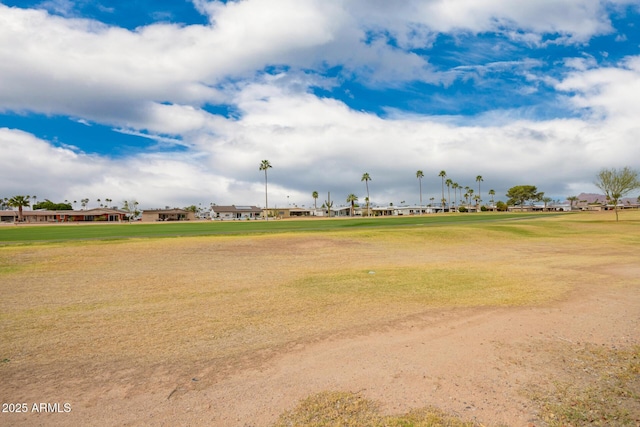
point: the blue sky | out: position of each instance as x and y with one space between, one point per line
175 103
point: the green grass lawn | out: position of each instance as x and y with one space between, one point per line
58 233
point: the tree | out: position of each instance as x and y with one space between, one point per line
366 178
492 193
264 166
420 175
51 206
479 180
84 202
442 175
501 206
546 201
131 207
19 202
449 183
315 199
616 184
571 200
455 186
352 198
520 194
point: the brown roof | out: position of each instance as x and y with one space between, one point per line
166 211
235 209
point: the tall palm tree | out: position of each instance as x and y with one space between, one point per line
420 175
449 183
366 178
352 198
455 186
264 166
492 193
466 195
479 180
470 191
19 202
315 199
442 175
572 199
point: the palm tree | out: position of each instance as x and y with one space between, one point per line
449 183
466 196
492 193
479 180
546 201
264 165
420 175
19 202
315 199
442 175
84 202
572 199
455 186
366 178
352 198
470 191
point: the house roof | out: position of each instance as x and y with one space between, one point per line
166 211
235 209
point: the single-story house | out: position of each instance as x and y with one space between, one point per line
234 212
290 212
46 216
404 210
340 211
167 215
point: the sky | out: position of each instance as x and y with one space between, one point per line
177 102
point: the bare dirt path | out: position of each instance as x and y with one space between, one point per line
474 363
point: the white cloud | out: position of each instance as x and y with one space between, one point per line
611 92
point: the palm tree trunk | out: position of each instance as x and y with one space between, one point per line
266 199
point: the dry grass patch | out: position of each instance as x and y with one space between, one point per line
592 386
342 409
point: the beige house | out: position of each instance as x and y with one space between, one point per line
167 215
